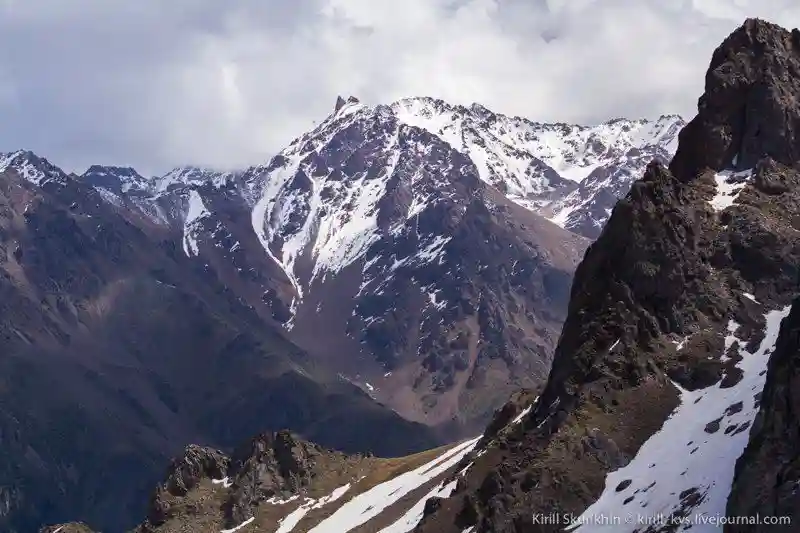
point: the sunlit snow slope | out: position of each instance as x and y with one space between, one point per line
572 174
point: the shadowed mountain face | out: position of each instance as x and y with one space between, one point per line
118 351
674 314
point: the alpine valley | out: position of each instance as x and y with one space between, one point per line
328 342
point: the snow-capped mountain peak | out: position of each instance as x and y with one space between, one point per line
344 107
540 165
116 179
31 167
330 195
190 175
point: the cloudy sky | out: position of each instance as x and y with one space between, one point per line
226 83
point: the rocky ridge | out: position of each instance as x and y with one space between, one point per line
279 482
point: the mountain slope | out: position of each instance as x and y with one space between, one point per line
673 315
389 231
118 350
412 276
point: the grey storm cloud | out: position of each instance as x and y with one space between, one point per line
157 83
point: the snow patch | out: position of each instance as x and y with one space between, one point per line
240 526
524 412
278 501
729 185
292 519
407 522
372 502
109 196
225 482
706 434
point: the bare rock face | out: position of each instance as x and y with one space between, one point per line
749 109
268 466
768 473
682 257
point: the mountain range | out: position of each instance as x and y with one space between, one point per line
396 258
382 286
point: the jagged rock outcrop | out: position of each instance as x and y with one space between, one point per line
183 474
281 482
272 465
750 108
269 466
768 473
676 301
515 408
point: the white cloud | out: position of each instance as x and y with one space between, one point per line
157 84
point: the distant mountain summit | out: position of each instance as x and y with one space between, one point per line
570 174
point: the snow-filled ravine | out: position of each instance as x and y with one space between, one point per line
197 211
686 469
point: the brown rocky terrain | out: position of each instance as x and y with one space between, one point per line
695 251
